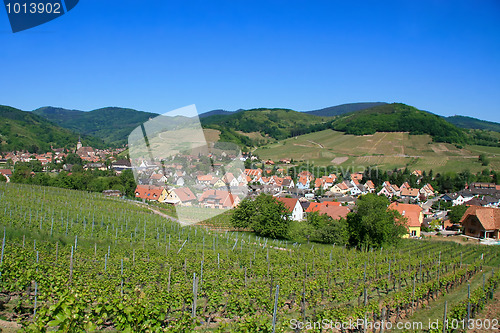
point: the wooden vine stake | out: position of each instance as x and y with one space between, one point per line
444 316
195 294
71 266
169 274
36 297
275 306
468 302
121 284
3 246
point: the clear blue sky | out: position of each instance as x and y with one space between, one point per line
441 56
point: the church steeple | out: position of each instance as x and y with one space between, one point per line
79 144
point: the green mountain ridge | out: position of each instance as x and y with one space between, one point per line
21 130
344 108
473 123
276 124
111 124
255 127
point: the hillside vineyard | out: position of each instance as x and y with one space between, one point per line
80 261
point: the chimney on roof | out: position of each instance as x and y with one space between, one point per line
404 212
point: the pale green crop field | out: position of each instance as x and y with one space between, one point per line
385 150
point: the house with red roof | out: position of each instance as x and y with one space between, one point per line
316 206
481 222
357 176
303 183
427 190
7 173
340 188
218 199
409 193
148 192
414 215
370 187
178 196
334 211
295 208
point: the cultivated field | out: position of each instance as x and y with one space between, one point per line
385 150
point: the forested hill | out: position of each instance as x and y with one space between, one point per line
21 130
344 108
398 117
473 123
273 123
111 124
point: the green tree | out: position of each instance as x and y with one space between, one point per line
373 225
271 217
456 213
324 229
242 215
485 161
266 216
128 181
73 158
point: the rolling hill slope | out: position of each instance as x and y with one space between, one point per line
398 117
385 150
21 130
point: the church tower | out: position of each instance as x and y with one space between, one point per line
79 144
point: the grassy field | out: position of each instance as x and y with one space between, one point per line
385 150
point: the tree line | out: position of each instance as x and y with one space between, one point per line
32 172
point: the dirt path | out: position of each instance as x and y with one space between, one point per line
9 326
157 212
319 144
374 148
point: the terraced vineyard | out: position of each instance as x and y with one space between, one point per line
76 261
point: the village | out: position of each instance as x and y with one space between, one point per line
201 181
334 195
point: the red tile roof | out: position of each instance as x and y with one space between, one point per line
411 212
184 194
489 217
289 203
6 172
335 212
148 192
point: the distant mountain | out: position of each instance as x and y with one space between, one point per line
111 124
325 112
22 130
257 126
473 123
217 112
344 108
